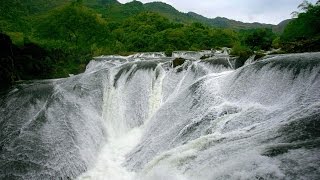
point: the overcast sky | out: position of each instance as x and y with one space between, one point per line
264 11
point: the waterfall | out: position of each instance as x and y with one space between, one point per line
254 122
250 60
137 117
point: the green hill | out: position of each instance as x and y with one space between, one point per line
281 26
115 11
119 11
219 22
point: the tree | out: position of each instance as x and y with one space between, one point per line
74 24
303 33
257 39
306 25
303 7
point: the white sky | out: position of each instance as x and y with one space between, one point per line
263 11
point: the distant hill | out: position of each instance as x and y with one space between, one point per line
281 26
169 12
222 22
119 12
115 11
135 7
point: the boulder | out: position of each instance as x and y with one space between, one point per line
177 62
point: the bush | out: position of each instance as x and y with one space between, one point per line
243 54
302 34
257 39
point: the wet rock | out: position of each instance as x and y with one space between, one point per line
177 62
206 56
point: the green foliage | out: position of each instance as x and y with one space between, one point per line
73 23
243 54
241 51
302 33
276 43
118 12
151 32
257 39
17 38
307 25
187 18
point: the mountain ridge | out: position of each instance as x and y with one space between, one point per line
173 14
116 11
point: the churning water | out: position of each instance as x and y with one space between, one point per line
137 117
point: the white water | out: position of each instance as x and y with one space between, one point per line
136 117
110 160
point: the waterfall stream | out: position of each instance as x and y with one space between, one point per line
137 117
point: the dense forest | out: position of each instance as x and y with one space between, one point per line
52 39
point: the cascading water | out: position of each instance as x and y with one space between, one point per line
137 117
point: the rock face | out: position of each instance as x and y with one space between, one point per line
6 60
16 63
6 44
177 62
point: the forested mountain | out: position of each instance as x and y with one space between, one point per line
220 22
135 7
113 10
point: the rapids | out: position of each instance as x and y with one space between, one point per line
137 117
